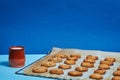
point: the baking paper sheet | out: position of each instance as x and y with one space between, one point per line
101 54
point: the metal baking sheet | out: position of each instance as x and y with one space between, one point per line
101 54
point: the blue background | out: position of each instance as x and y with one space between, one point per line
40 25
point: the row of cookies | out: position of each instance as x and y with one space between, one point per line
51 62
56 59
88 62
68 62
102 68
71 60
116 74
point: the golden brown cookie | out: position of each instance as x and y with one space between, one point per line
118 69
96 76
75 55
89 60
92 57
116 73
100 71
87 64
72 58
110 59
75 73
70 62
55 59
61 54
81 69
40 69
48 64
104 66
64 66
106 62
56 71
116 78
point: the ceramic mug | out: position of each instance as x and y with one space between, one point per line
16 56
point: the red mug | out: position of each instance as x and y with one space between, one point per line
16 56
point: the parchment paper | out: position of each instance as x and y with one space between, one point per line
84 53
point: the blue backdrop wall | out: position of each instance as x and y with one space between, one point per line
39 25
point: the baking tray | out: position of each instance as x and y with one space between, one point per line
101 54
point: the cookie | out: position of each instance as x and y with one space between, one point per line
61 54
56 71
106 62
92 57
75 73
104 66
100 71
110 59
96 76
64 66
72 58
40 69
55 59
70 62
116 73
118 69
48 64
87 64
75 55
81 69
89 60
116 78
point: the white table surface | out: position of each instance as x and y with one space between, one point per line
8 73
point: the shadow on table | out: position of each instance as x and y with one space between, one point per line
4 63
